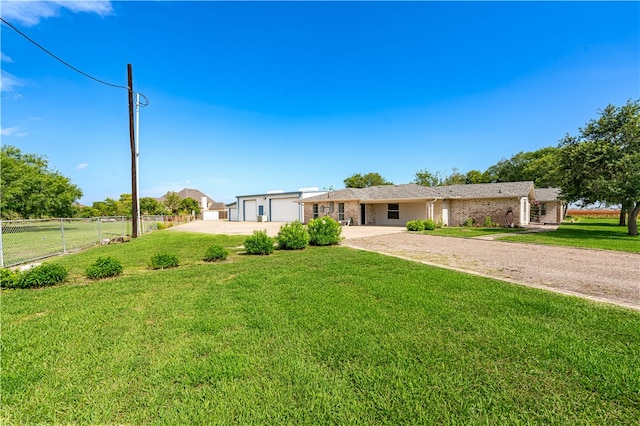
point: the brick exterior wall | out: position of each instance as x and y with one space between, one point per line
351 210
461 210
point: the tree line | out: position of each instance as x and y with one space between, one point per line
599 164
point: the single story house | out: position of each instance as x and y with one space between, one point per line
548 207
506 203
272 206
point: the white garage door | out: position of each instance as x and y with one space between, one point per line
284 210
250 211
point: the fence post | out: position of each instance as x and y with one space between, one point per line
1 247
99 233
64 246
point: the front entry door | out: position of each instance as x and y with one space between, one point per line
363 219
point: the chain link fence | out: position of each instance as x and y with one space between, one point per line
28 240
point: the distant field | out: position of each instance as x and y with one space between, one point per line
594 213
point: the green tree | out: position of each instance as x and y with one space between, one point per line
188 205
425 178
476 176
541 167
455 178
29 189
172 202
151 206
363 181
602 163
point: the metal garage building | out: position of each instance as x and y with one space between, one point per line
273 206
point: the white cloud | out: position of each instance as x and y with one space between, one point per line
82 166
9 83
5 58
12 131
29 13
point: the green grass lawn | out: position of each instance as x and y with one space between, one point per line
469 232
587 233
328 335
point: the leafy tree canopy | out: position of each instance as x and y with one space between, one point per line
172 202
30 190
188 205
541 167
602 162
364 181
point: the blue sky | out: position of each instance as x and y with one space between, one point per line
247 97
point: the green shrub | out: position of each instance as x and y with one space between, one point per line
469 222
488 223
161 226
259 243
429 224
8 278
324 231
415 225
41 276
104 267
164 261
293 236
215 253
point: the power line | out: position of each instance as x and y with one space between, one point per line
69 65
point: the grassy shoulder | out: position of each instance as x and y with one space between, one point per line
594 233
324 335
469 232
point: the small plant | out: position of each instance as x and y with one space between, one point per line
429 224
215 253
293 236
259 243
415 225
469 222
164 261
43 275
8 278
104 267
324 231
160 226
488 223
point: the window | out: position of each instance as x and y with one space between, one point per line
315 211
393 211
543 209
340 211
260 210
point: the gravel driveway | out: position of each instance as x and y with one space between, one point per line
601 275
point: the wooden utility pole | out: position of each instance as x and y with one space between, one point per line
134 169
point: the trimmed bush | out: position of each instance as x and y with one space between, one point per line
104 267
259 243
293 236
8 278
324 231
415 225
429 224
164 261
215 253
43 275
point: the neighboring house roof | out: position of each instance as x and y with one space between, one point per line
548 194
197 195
412 191
193 193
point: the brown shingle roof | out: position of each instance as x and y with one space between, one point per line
412 191
548 194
